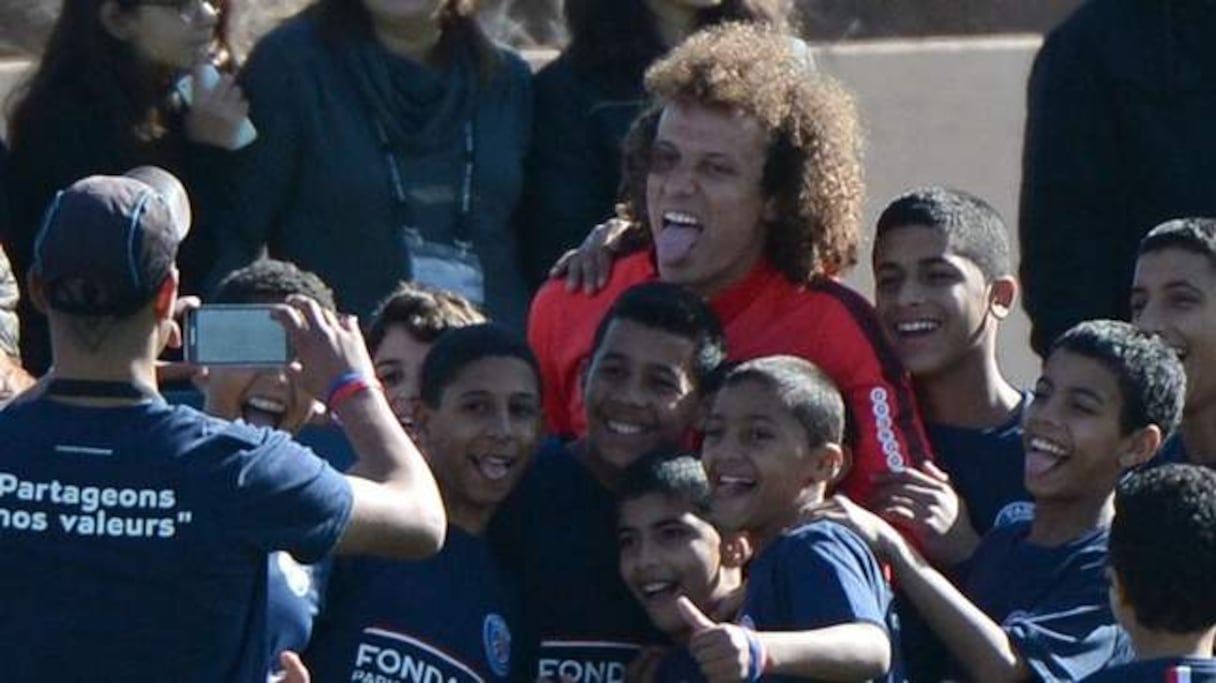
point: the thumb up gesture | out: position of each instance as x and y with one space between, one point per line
726 653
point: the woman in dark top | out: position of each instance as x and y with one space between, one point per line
106 98
392 140
585 101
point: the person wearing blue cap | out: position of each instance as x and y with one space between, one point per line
134 534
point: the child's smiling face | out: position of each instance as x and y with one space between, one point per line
1074 436
1174 295
761 465
934 305
667 550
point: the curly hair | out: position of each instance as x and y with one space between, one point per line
813 170
613 41
425 312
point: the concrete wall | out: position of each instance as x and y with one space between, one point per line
945 112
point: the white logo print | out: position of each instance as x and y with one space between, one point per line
880 405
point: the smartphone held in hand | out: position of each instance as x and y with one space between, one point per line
236 334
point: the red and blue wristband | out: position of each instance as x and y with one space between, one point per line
346 385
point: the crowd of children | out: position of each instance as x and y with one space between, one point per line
722 465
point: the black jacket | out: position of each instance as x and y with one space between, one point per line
1120 136
574 164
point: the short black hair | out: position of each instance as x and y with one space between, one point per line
675 310
674 475
463 346
1150 376
1196 235
1163 546
805 390
972 228
271 281
424 312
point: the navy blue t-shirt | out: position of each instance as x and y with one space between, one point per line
134 540
1173 670
558 535
452 617
986 467
814 576
1051 601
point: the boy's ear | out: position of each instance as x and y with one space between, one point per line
166 296
1002 295
827 465
1141 446
736 550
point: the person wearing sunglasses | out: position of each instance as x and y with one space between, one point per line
107 95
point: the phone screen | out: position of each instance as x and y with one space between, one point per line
235 335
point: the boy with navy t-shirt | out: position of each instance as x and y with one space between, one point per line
1162 560
455 616
654 352
944 281
273 397
670 549
816 605
1174 295
135 534
1034 601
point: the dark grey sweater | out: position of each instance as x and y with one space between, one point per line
315 188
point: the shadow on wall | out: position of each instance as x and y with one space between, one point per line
531 23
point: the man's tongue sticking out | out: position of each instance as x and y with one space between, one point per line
673 243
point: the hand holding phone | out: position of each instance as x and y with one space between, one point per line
326 344
218 112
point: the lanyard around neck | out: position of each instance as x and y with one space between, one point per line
464 208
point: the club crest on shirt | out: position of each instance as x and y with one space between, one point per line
496 637
298 579
1017 511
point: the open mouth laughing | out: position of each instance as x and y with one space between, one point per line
494 467
1043 455
264 411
